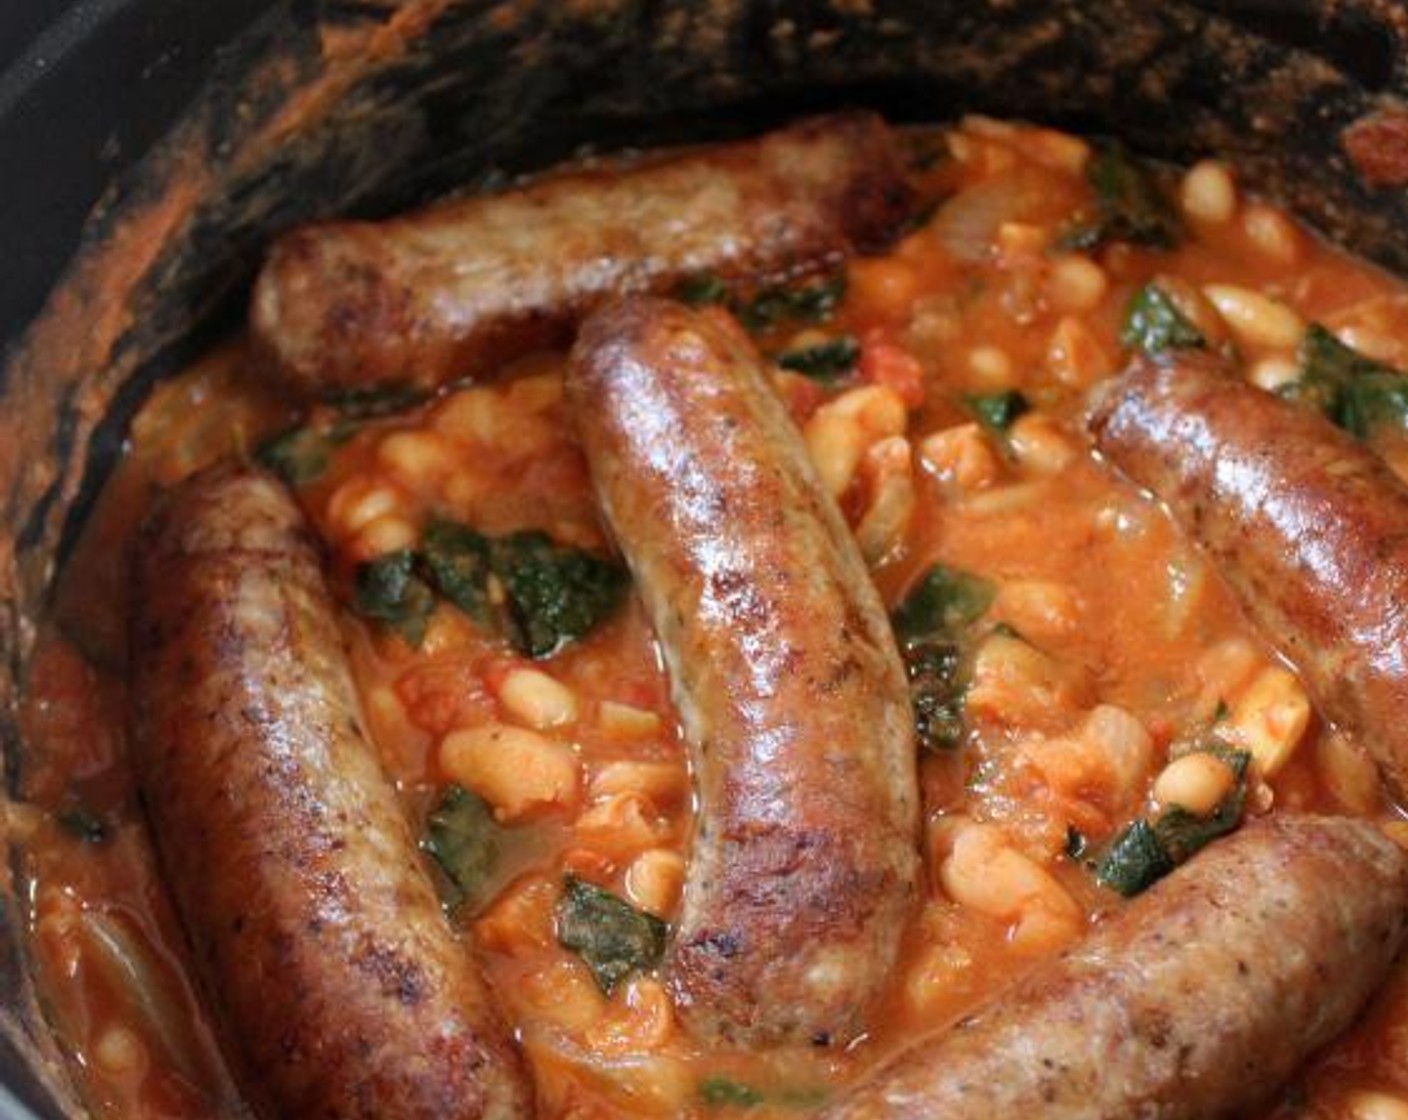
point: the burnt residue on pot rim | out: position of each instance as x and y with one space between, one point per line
365 106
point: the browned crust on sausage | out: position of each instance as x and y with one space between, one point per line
314 925
450 291
784 668
1309 528
1195 1002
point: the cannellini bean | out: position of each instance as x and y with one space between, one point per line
1270 718
517 771
1208 193
1017 684
1256 319
1038 608
1039 444
1076 283
536 699
1272 233
878 409
991 367
626 721
654 880
1223 670
416 457
961 457
1349 773
1019 240
835 445
881 284
1196 782
521 919
665 783
1059 151
1126 745
622 825
1271 373
887 480
931 980
358 502
1372 1105
564 994
1075 356
986 873
388 533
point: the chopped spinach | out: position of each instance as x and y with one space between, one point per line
389 589
556 594
725 1092
932 625
1354 391
1130 205
301 453
997 411
459 562
824 361
611 936
367 402
806 303
1076 842
941 605
84 824
701 289
463 839
937 684
1135 860
1153 323
1145 852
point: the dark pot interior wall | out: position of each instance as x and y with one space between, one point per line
361 106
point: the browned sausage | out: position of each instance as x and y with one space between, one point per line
314 925
1196 1001
783 666
1309 528
442 294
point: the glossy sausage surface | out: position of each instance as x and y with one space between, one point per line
449 291
783 665
314 925
1196 1001
1308 527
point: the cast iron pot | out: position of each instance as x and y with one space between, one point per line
149 148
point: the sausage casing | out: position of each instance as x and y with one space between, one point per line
441 294
314 925
784 668
1309 528
1196 1001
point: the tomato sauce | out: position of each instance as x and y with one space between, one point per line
1107 641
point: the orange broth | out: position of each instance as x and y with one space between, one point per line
1109 611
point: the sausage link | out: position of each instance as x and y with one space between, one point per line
313 922
1196 1001
783 666
1309 528
440 294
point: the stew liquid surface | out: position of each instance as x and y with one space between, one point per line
1076 663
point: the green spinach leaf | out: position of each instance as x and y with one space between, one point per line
997 411
300 454
458 559
725 1092
556 594
807 303
941 605
825 361
1129 205
701 289
1354 391
1152 323
614 938
389 589
463 839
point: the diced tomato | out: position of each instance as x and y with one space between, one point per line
885 362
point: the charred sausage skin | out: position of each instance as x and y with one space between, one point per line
314 925
447 292
1308 527
783 666
1198 1000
